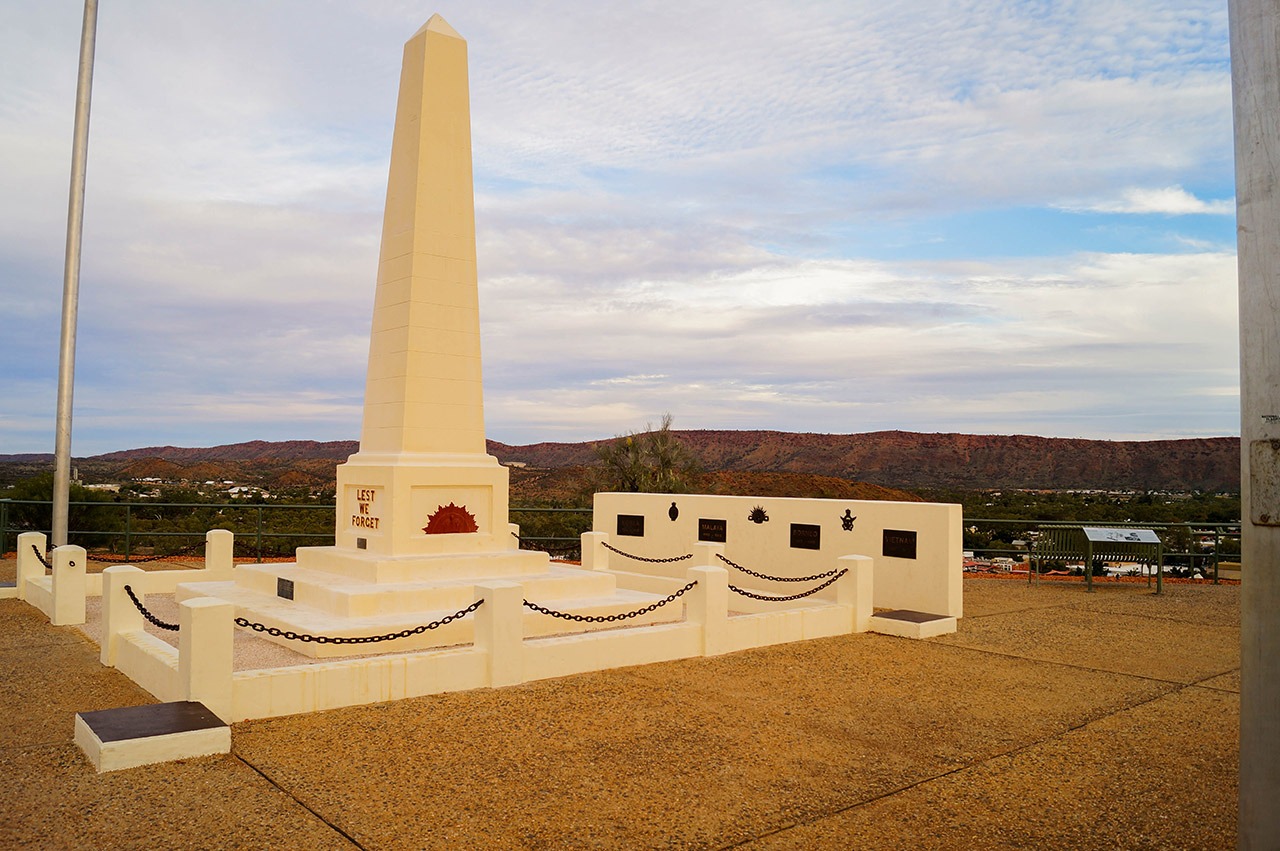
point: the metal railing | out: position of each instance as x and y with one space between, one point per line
259 529
1181 542
123 528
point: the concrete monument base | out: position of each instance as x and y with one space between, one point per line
293 598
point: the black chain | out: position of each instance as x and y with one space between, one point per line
145 559
358 639
768 599
642 558
609 618
816 576
172 627
40 556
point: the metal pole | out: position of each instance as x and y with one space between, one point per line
1217 543
71 278
1255 89
1088 565
1159 569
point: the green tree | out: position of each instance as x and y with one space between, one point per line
651 461
92 517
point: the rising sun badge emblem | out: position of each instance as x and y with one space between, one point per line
451 519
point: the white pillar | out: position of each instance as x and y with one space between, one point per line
219 553
29 565
69 586
855 588
707 605
119 614
704 554
594 555
206 632
514 528
500 631
1255 66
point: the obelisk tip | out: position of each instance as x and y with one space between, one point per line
437 24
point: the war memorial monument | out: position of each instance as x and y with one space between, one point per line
426 588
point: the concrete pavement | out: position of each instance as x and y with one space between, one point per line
1052 718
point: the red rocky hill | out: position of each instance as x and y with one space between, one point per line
910 459
895 459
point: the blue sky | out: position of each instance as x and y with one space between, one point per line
988 217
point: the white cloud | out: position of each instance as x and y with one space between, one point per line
932 345
692 191
1169 201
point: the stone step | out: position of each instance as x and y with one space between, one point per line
363 566
344 596
275 612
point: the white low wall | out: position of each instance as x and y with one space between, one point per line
151 663
202 668
917 547
332 685
61 593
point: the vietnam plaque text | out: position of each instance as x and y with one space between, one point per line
899 544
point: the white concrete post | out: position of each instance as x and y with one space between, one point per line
594 555
219 553
206 632
29 566
855 588
69 585
1255 79
514 542
119 614
708 606
500 631
704 554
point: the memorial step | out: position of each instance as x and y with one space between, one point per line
276 613
433 567
906 623
131 736
345 596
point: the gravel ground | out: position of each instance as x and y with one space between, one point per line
1053 718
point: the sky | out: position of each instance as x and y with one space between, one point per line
992 217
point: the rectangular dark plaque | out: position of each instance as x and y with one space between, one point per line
362 543
150 719
899 544
284 588
806 536
631 525
713 531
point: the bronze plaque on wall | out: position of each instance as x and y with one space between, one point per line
899 544
713 531
631 525
806 536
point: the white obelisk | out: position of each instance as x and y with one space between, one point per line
422 482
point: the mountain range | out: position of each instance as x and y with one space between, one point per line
892 459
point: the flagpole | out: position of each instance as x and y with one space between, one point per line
71 277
